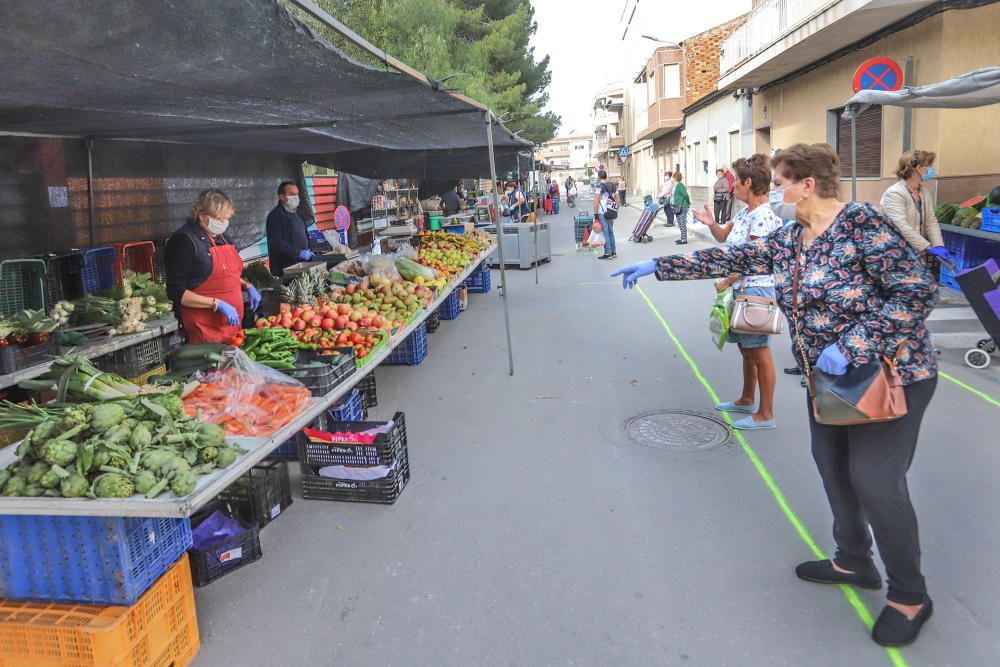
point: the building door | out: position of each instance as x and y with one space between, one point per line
735 151
764 140
713 158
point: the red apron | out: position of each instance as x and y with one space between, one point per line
204 325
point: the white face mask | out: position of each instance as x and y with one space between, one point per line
776 200
216 226
292 204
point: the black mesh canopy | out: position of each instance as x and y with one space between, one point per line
237 74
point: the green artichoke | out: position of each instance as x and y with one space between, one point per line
226 457
15 486
141 437
38 470
113 485
207 454
210 435
183 483
74 416
144 481
106 416
74 486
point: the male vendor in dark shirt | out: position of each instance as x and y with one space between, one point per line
451 200
287 238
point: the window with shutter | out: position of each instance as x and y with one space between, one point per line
869 143
734 147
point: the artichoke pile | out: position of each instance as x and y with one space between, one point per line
144 445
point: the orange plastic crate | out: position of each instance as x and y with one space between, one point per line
160 630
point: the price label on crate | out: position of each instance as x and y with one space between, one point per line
231 555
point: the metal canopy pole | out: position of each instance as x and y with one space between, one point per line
495 214
89 144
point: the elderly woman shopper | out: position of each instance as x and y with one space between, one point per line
720 196
908 205
756 221
856 293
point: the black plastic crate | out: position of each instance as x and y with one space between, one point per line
262 494
433 321
319 379
383 491
63 277
386 448
134 360
231 555
14 358
343 363
412 351
369 393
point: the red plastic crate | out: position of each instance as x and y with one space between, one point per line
137 256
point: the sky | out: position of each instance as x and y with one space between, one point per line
583 39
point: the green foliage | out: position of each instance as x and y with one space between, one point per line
485 42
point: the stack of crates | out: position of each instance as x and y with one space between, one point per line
99 266
136 363
96 592
344 450
413 350
22 285
479 281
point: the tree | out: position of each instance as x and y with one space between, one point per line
484 42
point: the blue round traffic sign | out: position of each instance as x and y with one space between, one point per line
878 74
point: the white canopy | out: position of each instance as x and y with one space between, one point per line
974 89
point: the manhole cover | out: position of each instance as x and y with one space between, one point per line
687 431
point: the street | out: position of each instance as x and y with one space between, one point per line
536 531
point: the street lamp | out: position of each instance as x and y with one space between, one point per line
661 41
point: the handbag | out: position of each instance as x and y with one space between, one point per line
756 315
865 394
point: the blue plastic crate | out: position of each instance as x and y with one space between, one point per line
451 307
454 229
99 269
948 280
412 350
289 450
349 409
991 220
479 281
88 559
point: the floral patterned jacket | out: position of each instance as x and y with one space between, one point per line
862 287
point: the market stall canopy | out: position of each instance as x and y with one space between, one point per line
975 89
243 75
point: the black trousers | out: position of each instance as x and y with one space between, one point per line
720 211
864 473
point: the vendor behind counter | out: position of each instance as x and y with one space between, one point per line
452 200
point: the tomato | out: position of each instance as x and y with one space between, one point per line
361 353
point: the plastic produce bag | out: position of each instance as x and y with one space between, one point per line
246 398
719 317
380 267
357 473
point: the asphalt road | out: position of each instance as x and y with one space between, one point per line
534 531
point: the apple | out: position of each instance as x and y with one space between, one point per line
365 322
286 322
378 321
343 309
356 315
351 289
352 326
316 321
298 324
340 322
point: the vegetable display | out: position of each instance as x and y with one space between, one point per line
274 348
75 378
125 308
146 445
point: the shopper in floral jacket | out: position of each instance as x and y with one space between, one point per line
864 294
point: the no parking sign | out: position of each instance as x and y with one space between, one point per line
878 74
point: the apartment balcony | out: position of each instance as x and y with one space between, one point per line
556 155
663 116
780 36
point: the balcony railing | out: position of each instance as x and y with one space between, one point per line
767 23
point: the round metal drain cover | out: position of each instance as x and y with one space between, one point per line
681 430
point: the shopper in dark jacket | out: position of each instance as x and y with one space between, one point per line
287 237
864 295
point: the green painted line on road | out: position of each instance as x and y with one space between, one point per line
986 397
852 597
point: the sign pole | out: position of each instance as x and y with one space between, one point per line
854 153
500 233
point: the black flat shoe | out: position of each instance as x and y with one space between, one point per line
793 370
893 628
822 572
604 257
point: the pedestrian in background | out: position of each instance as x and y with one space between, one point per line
756 221
731 179
856 293
555 197
548 196
680 203
720 196
910 207
666 194
606 205
621 190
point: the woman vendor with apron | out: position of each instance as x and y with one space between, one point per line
204 272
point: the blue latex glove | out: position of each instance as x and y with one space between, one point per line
631 274
254 297
229 312
832 361
940 252
306 255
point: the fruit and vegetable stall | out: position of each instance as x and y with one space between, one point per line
131 484
971 233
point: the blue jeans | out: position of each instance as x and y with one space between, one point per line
609 234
